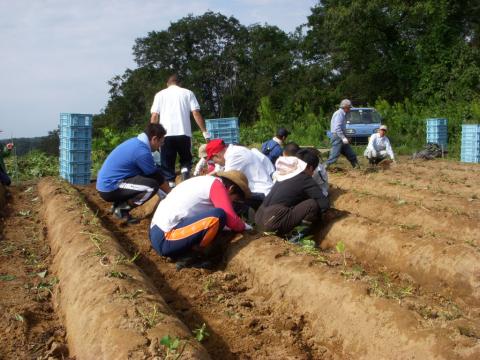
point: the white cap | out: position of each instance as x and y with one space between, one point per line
383 127
345 103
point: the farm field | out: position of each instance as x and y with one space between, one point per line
396 276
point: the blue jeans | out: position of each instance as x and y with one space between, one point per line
338 147
195 231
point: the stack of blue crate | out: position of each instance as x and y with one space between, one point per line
470 143
225 129
437 132
75 147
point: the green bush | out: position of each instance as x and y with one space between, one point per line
34 164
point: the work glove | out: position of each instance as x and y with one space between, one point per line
248 227
345 140
373 153
206 135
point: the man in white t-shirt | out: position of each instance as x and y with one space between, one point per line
235 157
172 107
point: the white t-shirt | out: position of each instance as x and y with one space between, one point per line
174 105
244 160
189 198
380 143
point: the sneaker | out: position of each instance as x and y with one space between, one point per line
295 237
185 174
171 184
122 212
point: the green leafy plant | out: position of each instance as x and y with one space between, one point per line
172 346
340 247
201 333
152 317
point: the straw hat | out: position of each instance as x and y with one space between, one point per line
238 178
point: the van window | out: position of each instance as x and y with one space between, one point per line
363 117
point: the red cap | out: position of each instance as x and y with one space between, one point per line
214 147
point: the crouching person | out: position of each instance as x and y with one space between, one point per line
186 224
379 147
128 177
295 198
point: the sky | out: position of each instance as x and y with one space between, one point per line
58 55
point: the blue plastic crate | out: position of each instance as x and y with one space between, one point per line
437 130
76 179
229 136
75 144
471 128
470 158
75 167
70 119
76 132
221 124
437 121
75 155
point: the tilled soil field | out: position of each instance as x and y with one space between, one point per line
396 277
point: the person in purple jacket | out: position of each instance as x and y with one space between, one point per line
128 177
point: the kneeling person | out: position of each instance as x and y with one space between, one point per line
196 210
128 177
295 197
379 147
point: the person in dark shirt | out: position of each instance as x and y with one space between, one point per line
273 148
295 197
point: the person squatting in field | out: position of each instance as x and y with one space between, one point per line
172 107
340 144
379 147
295 197
251 164
128 177
273 148
5 151
193 214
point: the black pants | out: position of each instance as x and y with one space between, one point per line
173 145
135 190
4 178
283 219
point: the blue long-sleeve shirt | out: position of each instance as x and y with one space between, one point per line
338 124
131 158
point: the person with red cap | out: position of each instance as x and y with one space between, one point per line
236 157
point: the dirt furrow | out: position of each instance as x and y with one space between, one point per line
363 327
441 226
241 321
110 309
367 185
448 165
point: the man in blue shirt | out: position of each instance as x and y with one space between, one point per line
128 177
273 148
339 141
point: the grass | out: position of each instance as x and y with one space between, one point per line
172 345
201 333
133 295
151 318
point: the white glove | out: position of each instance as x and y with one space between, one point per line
248 227
373 153
206 135
345 140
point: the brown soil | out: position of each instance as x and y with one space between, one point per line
101 291
29 327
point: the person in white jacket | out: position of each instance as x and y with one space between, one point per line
379 147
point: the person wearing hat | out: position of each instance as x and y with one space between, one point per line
273 148
339 140
295 197
205 166
195 211
236 157
379 147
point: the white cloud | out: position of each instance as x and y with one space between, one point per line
57 55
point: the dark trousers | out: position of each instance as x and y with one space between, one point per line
135 190
173 145
4 178
339 148
283 219
191 232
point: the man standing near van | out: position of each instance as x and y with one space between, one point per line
172 107
339 141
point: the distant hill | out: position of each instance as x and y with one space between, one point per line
48 144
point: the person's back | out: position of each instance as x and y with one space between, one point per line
272 149
243 159
130 158
175 104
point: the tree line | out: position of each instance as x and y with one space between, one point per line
424 51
